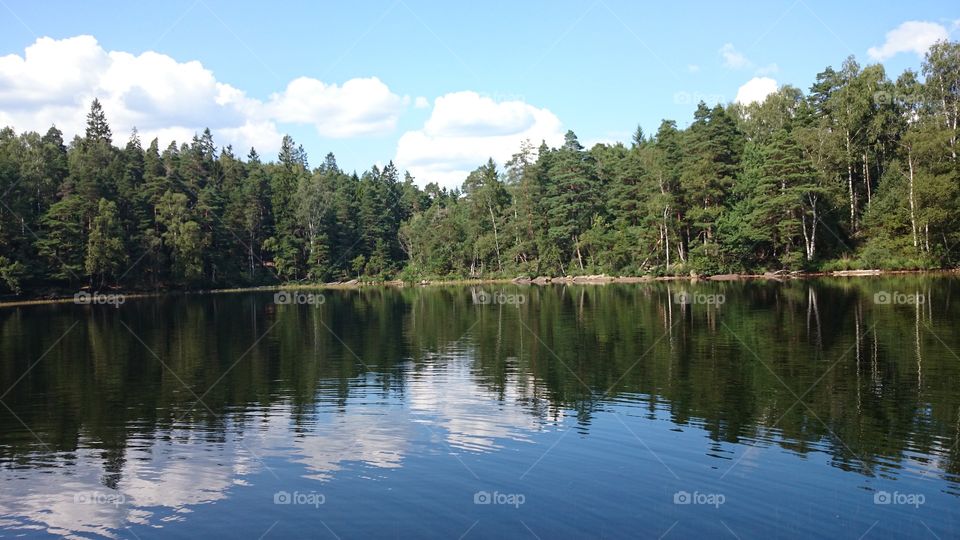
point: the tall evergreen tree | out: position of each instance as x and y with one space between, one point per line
106 255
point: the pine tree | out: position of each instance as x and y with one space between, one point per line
571 199
286 245
106 255
98 130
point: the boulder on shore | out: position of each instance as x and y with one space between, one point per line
726 277
597 278
856 272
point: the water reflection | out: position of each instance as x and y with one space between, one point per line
171 405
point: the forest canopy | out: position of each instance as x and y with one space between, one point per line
860 171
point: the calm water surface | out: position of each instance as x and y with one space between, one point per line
801 409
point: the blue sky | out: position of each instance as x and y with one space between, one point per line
435 89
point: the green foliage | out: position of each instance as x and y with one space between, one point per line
11 274
105 252
62 241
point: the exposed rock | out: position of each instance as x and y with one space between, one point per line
856 273
727 277
597 278
633 279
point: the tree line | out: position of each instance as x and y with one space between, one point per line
861 171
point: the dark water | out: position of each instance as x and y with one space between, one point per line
803 409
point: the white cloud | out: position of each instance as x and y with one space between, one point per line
262 135
911 36
421 102
693 68
43 75
732 58
359 107
55 80
464 129
755 90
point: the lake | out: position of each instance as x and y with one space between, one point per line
826 408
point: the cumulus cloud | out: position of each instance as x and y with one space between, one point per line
755 90
55 80
464 129
359 107
43 75
732 58
911 36
421 102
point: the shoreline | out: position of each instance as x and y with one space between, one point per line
598 279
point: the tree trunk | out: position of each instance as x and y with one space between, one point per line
579 257
666 235
947 120
852 194
810 237
913 204
496 238
250 255
813 230
866 178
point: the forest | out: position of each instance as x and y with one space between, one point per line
860 171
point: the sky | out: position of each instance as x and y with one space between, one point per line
437 91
